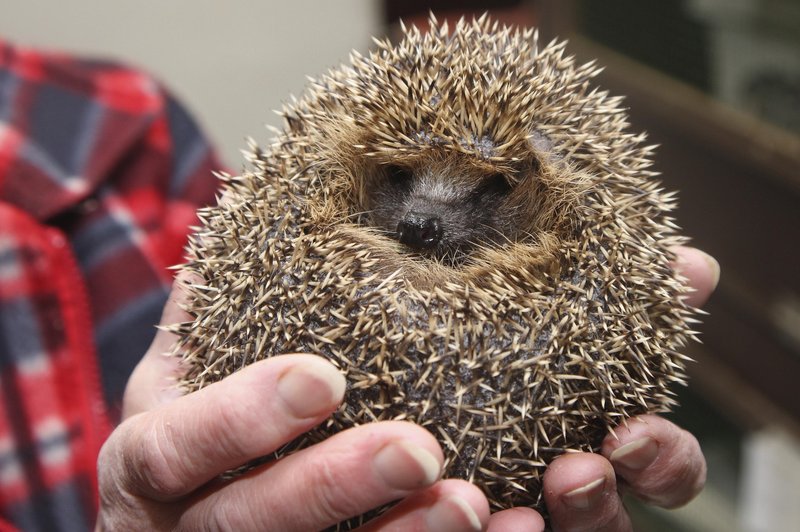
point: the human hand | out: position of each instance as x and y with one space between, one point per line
159 469
658 462
159 466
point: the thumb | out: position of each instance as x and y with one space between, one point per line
154 381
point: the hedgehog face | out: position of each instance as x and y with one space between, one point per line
455 147
441 212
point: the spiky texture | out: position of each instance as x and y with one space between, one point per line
526 350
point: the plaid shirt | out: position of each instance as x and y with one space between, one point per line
101 172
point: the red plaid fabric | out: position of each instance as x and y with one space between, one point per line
101 172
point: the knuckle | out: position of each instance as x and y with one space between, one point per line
678 473
152 462
686 482
605 518
121 502
608 516
106 477
222 517
678 480
333 495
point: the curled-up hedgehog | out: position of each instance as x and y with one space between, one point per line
466 228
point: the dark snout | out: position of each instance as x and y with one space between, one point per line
420 230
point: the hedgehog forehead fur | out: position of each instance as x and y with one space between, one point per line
534 346
464 101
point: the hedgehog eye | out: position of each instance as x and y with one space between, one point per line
399 176
496 184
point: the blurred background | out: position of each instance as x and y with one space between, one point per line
715 82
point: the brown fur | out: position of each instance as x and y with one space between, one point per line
533 346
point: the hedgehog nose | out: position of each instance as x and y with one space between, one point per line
420 230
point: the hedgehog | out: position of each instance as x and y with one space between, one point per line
464 225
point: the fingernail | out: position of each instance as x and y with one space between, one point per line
714 265
404 465
452 513
311 389
586 496
636 455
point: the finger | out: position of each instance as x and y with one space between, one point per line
447 505
154 380
581 494
660 462
344 476
516 520
171 451
701 271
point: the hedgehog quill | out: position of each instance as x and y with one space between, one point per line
465 227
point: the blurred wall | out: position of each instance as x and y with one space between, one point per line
232 63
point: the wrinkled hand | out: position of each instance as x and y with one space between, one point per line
159 469
658 462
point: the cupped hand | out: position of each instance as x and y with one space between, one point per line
160 469
657 461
